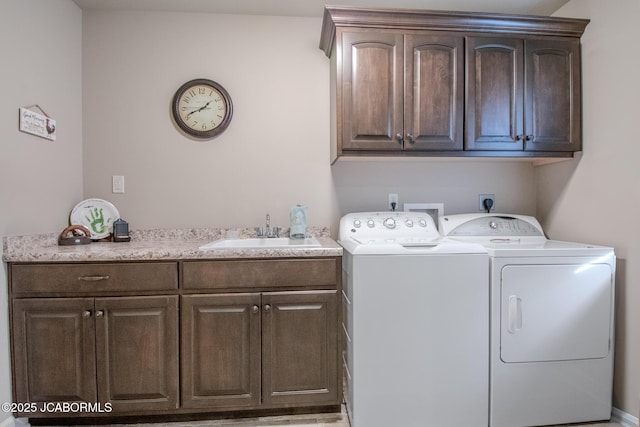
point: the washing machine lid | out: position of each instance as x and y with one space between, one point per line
409 247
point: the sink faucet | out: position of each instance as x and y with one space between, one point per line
268 232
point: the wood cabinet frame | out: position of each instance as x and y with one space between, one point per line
551 52
178 337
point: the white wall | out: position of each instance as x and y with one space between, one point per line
274 154
109 85
596 199
40 41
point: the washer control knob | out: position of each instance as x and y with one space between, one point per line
371 223
409 223
389 223
422 222
357 223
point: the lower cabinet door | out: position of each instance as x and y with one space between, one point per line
53 351
137 352
220 351
299 348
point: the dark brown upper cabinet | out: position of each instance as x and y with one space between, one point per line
522 94
452 84
401 92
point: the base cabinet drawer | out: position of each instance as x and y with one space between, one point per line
248 275
120 351
76 279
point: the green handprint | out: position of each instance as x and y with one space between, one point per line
96 222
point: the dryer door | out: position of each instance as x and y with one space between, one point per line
555 312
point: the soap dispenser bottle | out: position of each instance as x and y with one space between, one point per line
298 222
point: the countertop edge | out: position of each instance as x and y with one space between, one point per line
157 245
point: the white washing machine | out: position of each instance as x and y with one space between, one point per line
416 323
552 314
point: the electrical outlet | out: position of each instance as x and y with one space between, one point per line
482 198
393 198
117 184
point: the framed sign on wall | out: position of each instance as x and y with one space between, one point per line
37 124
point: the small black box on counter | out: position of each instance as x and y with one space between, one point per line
121 231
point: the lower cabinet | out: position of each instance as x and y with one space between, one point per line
121 350
141 339
270 349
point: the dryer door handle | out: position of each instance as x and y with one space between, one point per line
514 317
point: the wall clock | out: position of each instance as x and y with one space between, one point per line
202 108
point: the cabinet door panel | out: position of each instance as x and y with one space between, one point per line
433 94
220 351
137 352
553 104
372 91
299 349
54 350
494 94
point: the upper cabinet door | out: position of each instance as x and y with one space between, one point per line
434 99
372 91
552 97
494 94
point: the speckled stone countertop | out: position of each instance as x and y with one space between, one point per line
149 245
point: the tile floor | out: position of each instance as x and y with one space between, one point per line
311 420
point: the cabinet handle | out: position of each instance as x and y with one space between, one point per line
528 138
399 137
86 314
99 313
93 278
267 308
518 137
411 138
255 309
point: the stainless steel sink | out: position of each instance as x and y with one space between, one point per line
253 243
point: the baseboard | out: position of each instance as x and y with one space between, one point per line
620 417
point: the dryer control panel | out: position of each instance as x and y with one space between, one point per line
480 225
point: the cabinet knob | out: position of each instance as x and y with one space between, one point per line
399 137
255 309
86 314
518 137
267 308
528 138
411 138
99 313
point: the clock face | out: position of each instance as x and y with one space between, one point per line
202 108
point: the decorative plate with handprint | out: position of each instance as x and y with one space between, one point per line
97 215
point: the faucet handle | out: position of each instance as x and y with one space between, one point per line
259 231
276 231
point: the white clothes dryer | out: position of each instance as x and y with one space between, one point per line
552 314
416 323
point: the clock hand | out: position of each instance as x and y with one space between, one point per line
204 107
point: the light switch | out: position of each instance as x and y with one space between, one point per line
118 184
